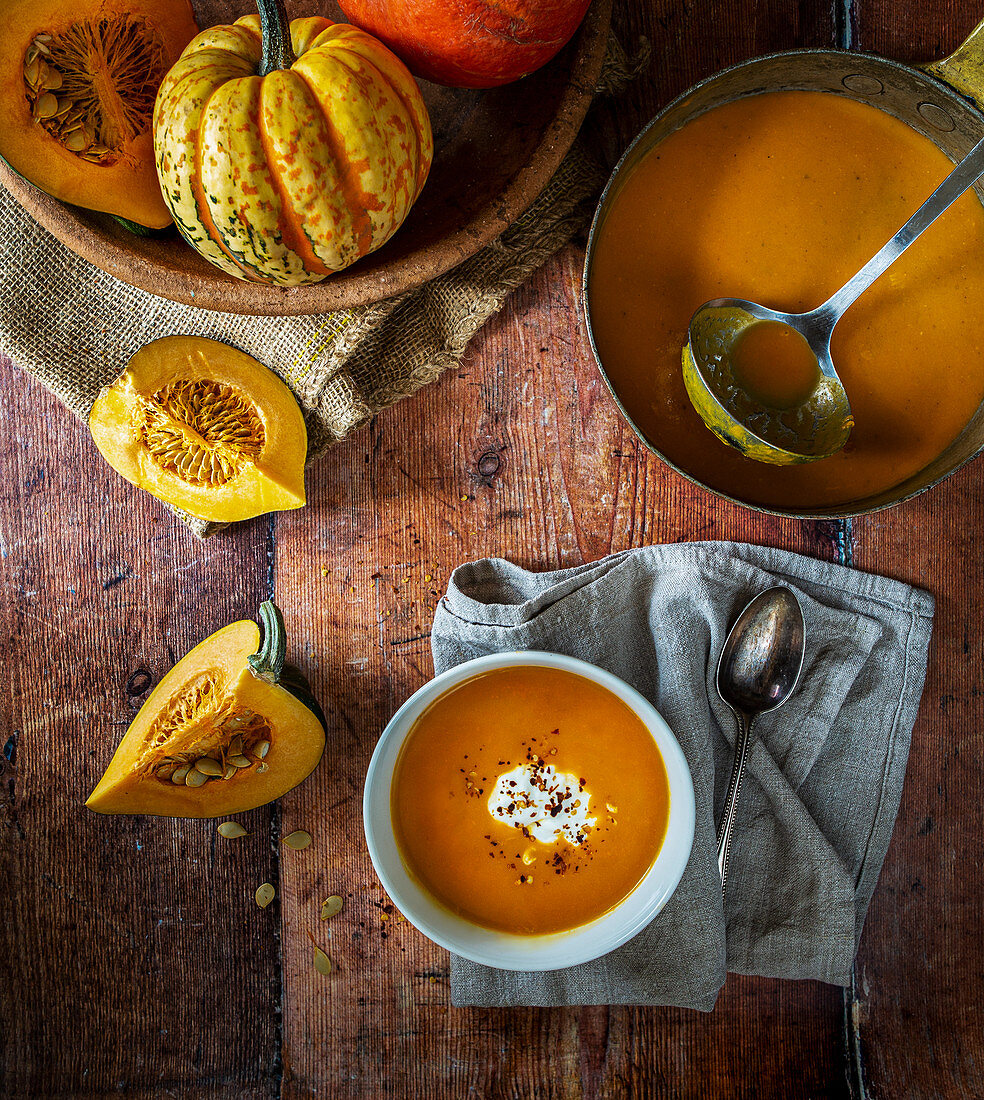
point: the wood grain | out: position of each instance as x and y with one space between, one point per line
920 971
133 959
520 453
132 955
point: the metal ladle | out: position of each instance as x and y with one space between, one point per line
759 667
820 425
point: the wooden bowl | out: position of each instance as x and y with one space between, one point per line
494 152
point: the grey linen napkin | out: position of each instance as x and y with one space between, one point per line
824 774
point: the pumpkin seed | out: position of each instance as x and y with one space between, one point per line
321 962
236 745
240 762
232 829
261 749
51 79
331 907
32 71
230 771
195 778
46 106
298 840
207 766
74 142
264 895
262 767
180 774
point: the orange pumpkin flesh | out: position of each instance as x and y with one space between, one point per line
77 87
286 174
210 698
204 427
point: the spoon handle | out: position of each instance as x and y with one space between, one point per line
959 180
734 787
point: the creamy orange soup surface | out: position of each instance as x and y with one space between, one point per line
781 197
529 800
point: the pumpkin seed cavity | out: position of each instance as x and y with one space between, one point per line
92 87
202 737
202 432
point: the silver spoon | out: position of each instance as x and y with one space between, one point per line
819 425
758 670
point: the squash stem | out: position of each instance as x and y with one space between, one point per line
268 662
277 52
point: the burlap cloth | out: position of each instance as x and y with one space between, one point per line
824 774
73 327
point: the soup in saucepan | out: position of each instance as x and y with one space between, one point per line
530 800
781 197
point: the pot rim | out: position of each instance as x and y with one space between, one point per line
820 513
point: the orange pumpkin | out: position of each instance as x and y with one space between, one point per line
285 155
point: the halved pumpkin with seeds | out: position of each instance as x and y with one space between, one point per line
229 728
204 427
78 80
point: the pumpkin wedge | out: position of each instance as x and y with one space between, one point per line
205 428
228 729
77 87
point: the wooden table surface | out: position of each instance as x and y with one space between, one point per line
133 959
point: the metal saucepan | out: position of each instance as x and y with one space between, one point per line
939 101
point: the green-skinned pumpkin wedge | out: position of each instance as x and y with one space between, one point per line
205 428
228 729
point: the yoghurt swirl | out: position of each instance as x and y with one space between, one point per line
546 805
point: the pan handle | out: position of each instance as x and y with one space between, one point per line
963 70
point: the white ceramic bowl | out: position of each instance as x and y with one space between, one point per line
505 950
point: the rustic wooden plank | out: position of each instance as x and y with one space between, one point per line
912 32
520 453
133 958
921 965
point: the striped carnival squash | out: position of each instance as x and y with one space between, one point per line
289 151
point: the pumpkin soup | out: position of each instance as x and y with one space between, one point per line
775 365
530 800
780 198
